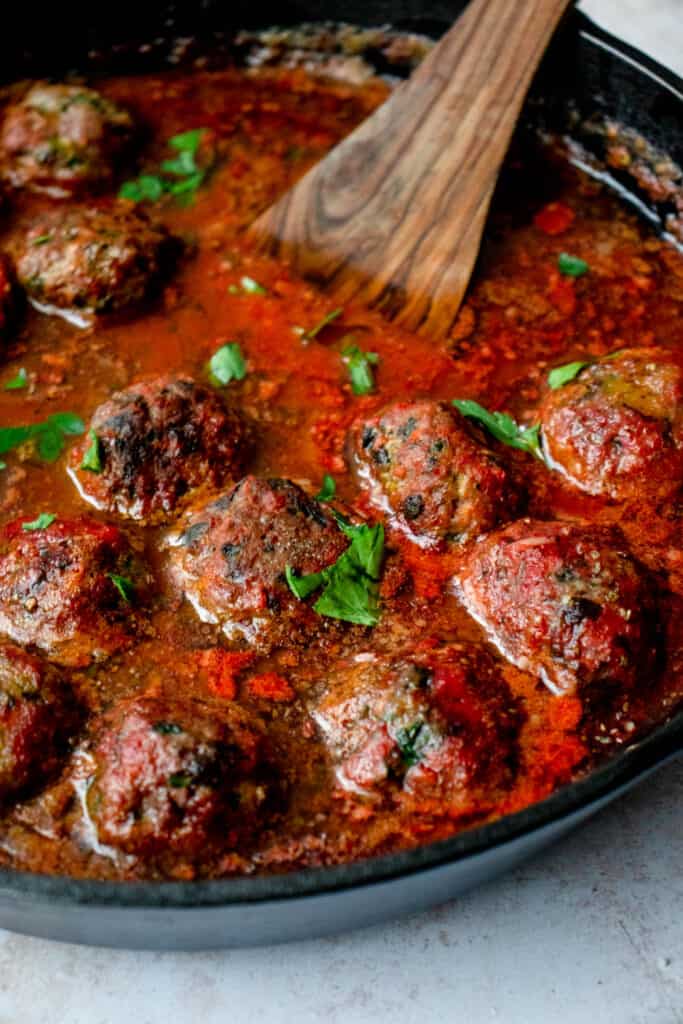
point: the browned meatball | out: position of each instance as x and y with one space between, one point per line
421 462
230 560
617 429
62 139
7 296
60 588
151 447
37 712
563 601
438 725
95 259
170 773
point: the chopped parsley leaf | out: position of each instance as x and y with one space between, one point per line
503 427
48 437
329 318
571 266
124 586
92 458
564 374
167 728
18 382
351 584
252 287
42 522
360 365
227 364
328 489
185 175
412 740
180 780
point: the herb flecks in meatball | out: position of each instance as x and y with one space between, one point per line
421 463
231 557
169 774
617 428
61 589
37 713
153 446
442 726
63 139
93 259
565 602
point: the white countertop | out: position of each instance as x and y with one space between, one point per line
589 933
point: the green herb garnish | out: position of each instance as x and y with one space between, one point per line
227 364
92 458
328 489
412 741
564 374
185 175
503 427
18 382
360 365
180 780
42 522
321 325
167 728
571 266
124 586
42 239
48 437
351 584
252 287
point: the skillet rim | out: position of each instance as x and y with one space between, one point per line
622 771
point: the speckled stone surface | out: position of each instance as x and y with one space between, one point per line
591 933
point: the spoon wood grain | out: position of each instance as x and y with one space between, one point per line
393 216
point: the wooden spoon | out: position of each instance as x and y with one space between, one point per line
393 216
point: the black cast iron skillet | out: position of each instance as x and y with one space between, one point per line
588 76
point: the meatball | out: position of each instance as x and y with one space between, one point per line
422 462
62 139
97 259
440 726
171 773
150 447
37 713
67 589
617 428
230 560
7 296
563 601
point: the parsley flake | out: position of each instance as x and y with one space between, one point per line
92 457
252 287
328 489
124 586
351 584
571 266
503 427
227 364
329 318
48 437
18 382
360 366
42 522
181 175
564 374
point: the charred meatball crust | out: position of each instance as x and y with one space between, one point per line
422 463
230 559
156 444
93 259
37 715
564 601
63 139
617 429
58 591
441 725
170 774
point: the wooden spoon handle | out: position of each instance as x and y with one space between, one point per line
393 216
